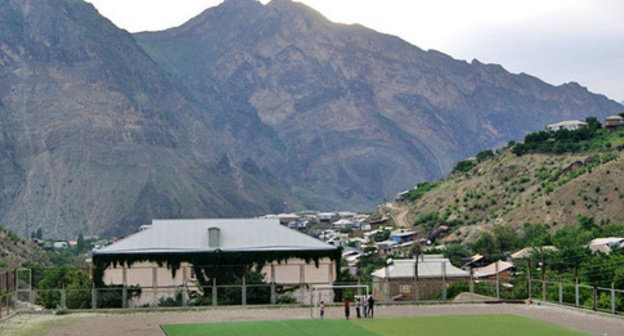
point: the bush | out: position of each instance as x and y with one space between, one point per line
464 166
485 155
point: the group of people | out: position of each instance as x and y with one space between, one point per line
368 303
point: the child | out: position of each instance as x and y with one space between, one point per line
357 308
347 309
365 307
322 308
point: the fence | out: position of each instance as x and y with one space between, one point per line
152 287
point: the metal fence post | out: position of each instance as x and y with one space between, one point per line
63 299
154 286
184 286
471 281
124 290
497 280
244 291
214 292
93 298
529 278
576 287
443 265
613 292
560 287
273 298
543 280
416 293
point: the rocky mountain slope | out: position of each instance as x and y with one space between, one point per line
244 110
357 113
548 188
95 137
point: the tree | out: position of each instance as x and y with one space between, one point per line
455 253
464 166
81 245
485 155
486 244
536 235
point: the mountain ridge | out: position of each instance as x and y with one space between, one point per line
244 110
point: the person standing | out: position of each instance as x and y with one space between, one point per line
365 306
346 308
322 308
371 306
357 307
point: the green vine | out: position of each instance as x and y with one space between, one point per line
218 258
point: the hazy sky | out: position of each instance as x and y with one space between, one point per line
556 40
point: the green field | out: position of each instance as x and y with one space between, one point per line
466 325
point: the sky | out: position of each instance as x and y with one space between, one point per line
558 41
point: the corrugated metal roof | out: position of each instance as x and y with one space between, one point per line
490 270
429 268
236 235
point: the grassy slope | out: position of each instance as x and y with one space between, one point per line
477 325
18 252
513 190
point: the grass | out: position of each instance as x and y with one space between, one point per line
466 325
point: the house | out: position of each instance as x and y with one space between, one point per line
60 245
403 235
213 246
526 252
605 244
326 216
385 247
395 282
502 268
569 125
614 122
475 261
343 224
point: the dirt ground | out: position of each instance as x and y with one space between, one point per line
148 323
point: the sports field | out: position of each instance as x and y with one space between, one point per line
467 325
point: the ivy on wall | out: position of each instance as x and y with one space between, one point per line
173 260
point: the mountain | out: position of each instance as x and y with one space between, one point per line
359 115
244 110
97 139
506 189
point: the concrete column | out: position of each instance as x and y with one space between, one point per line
471 283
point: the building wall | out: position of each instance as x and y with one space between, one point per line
403 289
149 275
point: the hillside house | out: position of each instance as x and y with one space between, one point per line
217 244
605 244
569 125
614 122
403 235
502 268
526 252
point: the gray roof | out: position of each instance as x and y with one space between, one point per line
429 268
236 235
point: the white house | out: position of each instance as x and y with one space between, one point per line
570 125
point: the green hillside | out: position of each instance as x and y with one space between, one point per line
552 182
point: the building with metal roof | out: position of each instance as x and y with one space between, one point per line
191 254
